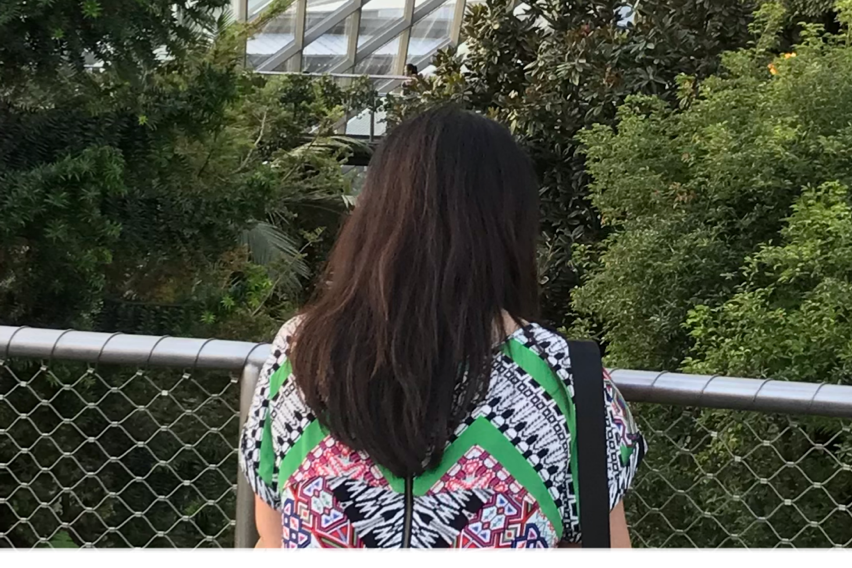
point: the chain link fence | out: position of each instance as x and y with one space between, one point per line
111 457
721 478
134 445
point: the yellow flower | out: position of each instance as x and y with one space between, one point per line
772 69
789 55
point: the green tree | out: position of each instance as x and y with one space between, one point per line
169 191
43 37
560 67
790 318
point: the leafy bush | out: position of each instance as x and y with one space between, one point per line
560 67
692 195
771 478
39 39
790 317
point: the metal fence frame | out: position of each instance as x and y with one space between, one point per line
247 358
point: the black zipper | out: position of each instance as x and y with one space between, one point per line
409 512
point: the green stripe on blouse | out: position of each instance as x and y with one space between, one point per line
266 468
540 371
484 434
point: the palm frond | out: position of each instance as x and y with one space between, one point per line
323 144
268 244
351 143
349 200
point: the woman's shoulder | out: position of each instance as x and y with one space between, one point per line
276 375
548 344
284 338
287 402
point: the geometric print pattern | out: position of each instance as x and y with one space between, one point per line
311 518
528 417
251 441
377 514
507 521
331 458
507 478
477 469
625 446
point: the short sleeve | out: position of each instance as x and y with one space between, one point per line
257 456
625 450
625 445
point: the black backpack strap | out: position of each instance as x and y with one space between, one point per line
587 370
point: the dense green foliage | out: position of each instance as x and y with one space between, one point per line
126 196
41 37
730 225
563 66
698 200
790 316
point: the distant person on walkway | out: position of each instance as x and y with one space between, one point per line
411 70
414 402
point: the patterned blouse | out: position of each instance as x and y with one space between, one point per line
507 478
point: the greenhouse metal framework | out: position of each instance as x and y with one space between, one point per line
379 38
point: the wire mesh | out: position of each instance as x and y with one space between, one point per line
97 456
721 478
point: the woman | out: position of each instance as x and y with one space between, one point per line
412 403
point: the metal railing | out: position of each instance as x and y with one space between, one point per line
126 440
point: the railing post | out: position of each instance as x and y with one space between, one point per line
245 531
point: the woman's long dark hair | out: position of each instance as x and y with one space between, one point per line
398 343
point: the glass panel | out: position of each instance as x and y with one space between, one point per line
382 61
292 65
255 7
360 125
276 35
377 15
521 10
430 32
318 10
328 50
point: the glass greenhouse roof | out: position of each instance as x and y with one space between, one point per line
365 37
